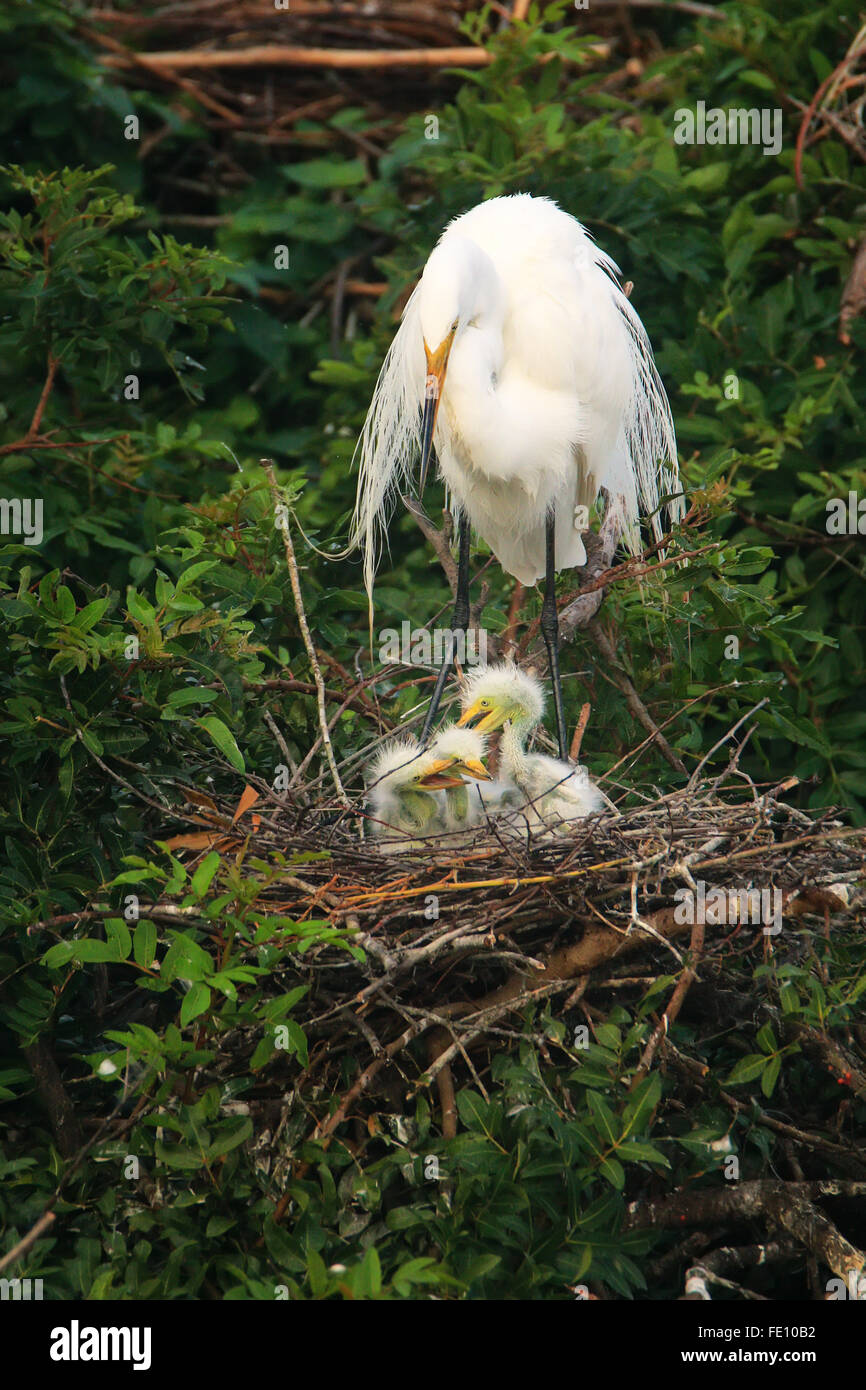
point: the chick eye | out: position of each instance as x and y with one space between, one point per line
484 704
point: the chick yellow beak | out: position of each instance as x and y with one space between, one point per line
485 721
473 767
437 365
443 773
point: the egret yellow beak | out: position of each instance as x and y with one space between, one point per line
485 721
437 365
473 767
443 773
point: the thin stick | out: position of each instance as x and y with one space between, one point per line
282 516
693 780
440 540
579 732
184 83
632 699
53 364
684 6
662 1028
278 55
31 1238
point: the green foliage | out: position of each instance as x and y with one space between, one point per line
140 632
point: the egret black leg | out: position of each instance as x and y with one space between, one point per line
459 623
550 632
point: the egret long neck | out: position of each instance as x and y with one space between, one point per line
476 358
458 802
513 755
417 807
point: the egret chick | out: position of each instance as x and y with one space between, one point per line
402 782
556 792
460 753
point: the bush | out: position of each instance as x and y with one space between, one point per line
148 638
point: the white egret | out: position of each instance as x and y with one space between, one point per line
460 752
403 782
555 791
521 357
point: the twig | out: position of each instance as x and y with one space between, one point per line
787 1205
853 296
698 1072
632 699
508 640
695 777
280 741
49 1083
41 1226
436 1046
583 720
162 807
662 1028
440 540
281 513
684 6
143 60
53 364
279 55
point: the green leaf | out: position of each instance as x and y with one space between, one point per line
195 1001
770 1075
327 173
317 1274
119 937
747 1069
606 1122
59 955
177 1156
90 951
191 695
642 1103
144 943
186 959
223 739
638 1150
371 1273
613 1171
204 874
766 1039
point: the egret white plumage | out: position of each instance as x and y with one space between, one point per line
403 785
555 792
522 359
402 801
460 752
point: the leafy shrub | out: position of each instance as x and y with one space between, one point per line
147 635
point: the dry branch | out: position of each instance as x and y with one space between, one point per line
280 55
787 1207
281 513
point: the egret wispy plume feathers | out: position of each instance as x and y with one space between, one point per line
522 359
563 308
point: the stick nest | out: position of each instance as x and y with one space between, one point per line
449 944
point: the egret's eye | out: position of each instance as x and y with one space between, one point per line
454 325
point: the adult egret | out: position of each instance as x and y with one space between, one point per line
522 359
403 782
556 792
